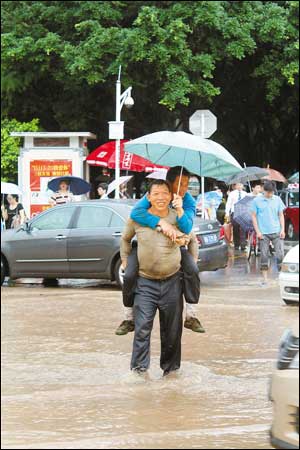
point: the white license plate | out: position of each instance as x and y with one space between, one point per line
210 238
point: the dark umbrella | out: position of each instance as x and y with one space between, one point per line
248 174
242 213
77 185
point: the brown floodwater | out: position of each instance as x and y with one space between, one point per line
66 382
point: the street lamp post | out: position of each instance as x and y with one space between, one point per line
116 130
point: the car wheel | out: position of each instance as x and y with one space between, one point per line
119 273
291 231
290 302
3 271
50 282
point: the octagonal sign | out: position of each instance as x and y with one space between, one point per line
203 123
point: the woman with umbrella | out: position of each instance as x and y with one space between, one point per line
63 195
14 214
65 188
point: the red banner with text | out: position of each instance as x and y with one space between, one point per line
41 172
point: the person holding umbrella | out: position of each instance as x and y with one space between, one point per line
14 214
63 195
123 191
185 207
66 187
239 236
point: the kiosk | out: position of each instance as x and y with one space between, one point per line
46 155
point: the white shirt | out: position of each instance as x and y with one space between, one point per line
233 198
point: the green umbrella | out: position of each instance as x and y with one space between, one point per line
200 156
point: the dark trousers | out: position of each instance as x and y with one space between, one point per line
239 235
166 296
190 278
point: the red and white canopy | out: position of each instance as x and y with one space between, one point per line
105 156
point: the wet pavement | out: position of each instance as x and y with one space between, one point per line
66 382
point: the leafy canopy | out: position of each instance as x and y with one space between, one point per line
60 61
10 146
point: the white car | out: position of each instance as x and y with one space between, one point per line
289 277
284 392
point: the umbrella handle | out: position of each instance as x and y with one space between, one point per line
249 184
181 174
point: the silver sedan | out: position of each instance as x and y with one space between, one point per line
82 240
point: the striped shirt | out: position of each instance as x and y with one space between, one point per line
62 198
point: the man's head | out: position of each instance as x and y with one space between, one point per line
173 177
257 189
64 185
269 189
239 186
102 188
160 195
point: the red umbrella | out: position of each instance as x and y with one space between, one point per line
275 176
105 156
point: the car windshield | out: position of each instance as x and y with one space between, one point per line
294 199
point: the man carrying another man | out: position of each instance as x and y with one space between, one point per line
159 284
185 209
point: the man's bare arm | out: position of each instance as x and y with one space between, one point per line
256 228
282 225
125 245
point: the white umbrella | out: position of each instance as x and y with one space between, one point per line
158 174
122 180
10 188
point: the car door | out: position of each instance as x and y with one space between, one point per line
92 241
42 249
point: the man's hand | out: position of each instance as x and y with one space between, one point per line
282 234
259 235
178 205
168 229
124 264
177 201
180 241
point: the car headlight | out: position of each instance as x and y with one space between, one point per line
288 357
290 267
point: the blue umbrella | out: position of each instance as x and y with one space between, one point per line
242 213
77 185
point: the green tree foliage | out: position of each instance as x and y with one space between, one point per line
60 61
10 146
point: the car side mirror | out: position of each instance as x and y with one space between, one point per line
26 226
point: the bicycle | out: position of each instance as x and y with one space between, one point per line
252 245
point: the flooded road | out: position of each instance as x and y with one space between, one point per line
66 382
